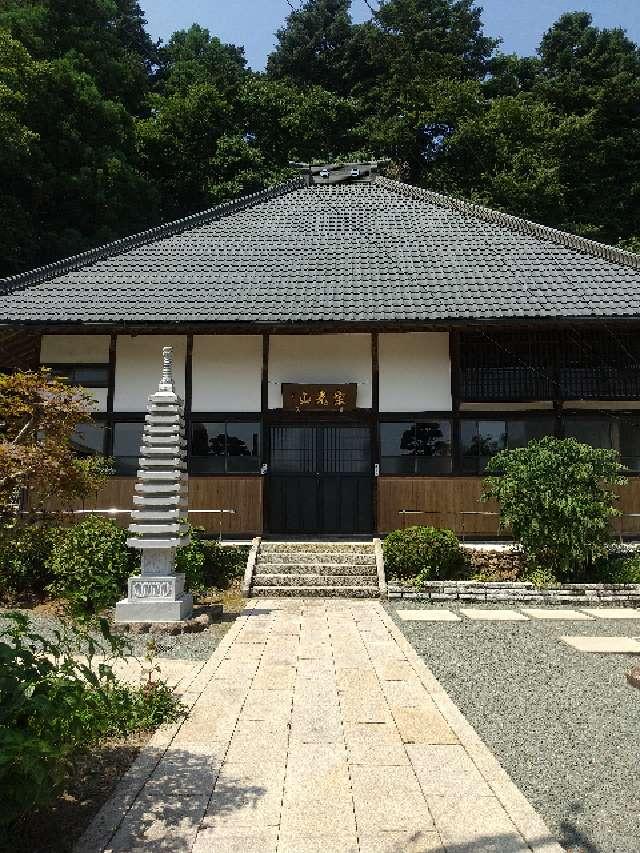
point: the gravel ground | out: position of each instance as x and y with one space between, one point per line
183 646
563 723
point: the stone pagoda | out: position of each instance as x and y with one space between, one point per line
158 525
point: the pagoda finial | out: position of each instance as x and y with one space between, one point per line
167 365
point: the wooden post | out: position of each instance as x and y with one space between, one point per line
264 409
111 392
188 393
375 411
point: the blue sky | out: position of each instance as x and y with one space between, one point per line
252 22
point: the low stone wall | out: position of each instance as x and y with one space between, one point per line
568 594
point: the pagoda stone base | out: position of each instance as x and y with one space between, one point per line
155 598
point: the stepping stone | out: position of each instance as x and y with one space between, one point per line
494 615
604 645
612 612
435 615
555 613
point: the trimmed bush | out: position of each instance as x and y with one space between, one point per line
24 555
558 497
90 564
422 554
206 563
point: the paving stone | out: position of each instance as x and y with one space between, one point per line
402 841
388 798
446 771
395 670
436 614
316 724
604 645
357 679
304 842
364 708
476 824
274 677
555 613
376 745
256 740
246 794
494 615
423 724
236 840
267 705
404 694
613 612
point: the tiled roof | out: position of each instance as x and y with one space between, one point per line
370 252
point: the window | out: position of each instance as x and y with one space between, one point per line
127 439
620 433
87 375
482 439
89 439
422 447
225 447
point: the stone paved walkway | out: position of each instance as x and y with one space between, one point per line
315 727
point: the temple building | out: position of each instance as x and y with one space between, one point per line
348 347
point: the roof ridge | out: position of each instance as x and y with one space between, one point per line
167 229
516 223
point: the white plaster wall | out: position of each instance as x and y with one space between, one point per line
74 349
227 372
415 372
139 368
320 358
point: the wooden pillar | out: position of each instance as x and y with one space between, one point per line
188 392
375 412
111 392
454 362
264 409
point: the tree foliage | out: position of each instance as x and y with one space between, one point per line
104 133
557 497
38 415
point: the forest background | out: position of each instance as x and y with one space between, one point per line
105 132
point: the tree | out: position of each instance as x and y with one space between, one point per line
194 57
39 414
315 47
558 497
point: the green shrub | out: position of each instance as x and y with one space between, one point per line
558 497
90 564
52 706
24 555
423 554
616 567
207 563
539 576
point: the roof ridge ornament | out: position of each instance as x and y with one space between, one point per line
357 172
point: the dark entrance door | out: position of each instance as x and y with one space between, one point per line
320 479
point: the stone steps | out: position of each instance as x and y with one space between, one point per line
303 557
314 580
345 569
316 569
317 591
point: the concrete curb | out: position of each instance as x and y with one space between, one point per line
520 811
382 581
251 565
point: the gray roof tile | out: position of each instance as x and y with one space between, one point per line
358 253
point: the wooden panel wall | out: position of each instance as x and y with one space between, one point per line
629 502
442 499
244 494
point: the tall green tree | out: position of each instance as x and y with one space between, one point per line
316 46
194 56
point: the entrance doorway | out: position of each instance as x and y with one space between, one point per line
321 479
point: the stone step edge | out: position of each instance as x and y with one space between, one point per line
328 591
311 580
